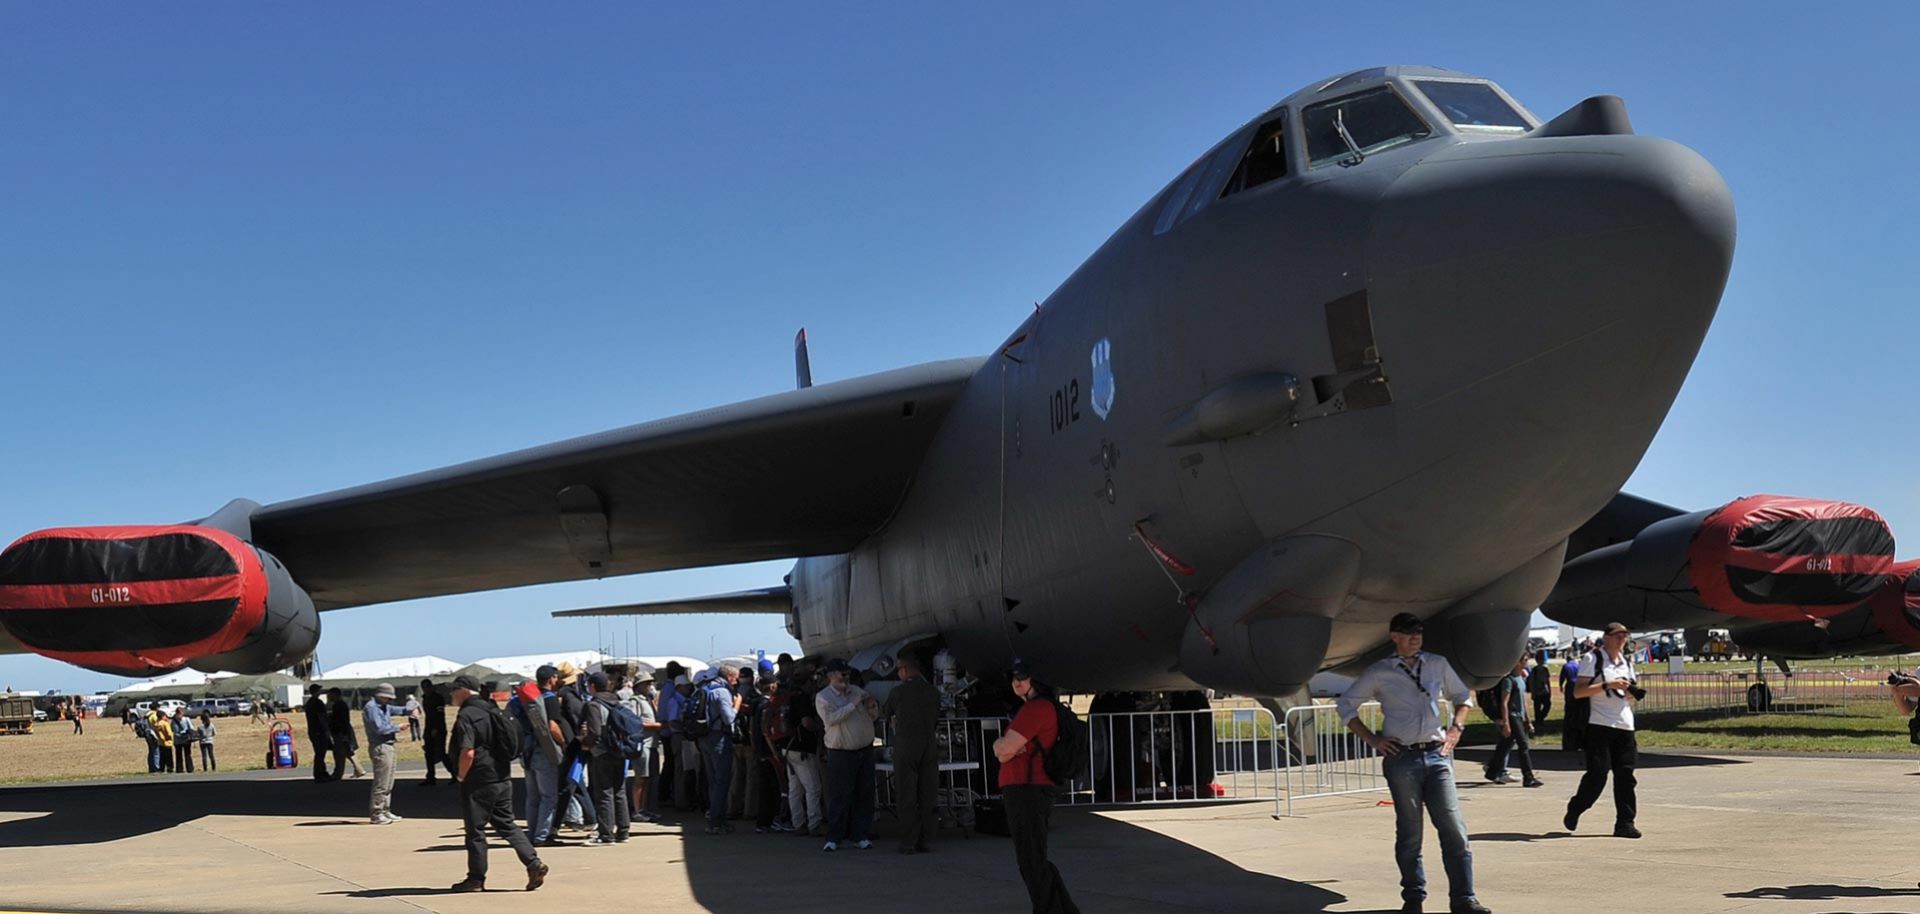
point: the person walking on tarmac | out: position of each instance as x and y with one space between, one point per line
912 710
483 748
1417 752
1028 791
340 729
1608 683
320 735
433 726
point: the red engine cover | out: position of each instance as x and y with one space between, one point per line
1783 559
138 600
1896 605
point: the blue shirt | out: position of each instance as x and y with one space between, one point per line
670 704
379 723
719 706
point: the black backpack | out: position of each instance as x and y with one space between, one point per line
1489 701
506 735
694 722
1066 760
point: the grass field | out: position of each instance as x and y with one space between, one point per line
52 752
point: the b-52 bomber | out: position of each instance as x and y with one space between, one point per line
1384 348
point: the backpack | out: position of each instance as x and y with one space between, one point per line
625 729
775 717
506 735
1066 760
693 715
1489 702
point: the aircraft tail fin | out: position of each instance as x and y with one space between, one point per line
802 366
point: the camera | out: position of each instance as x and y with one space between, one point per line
1639 694
1899 678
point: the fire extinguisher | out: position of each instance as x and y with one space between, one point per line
280 751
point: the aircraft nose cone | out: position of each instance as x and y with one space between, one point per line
1511 251
1537 304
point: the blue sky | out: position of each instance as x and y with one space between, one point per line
267 251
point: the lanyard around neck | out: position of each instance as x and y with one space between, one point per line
1419 667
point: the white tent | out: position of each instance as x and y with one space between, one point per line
175 679
524 665
647 665
397 668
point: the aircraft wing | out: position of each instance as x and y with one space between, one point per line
765 600
805 472
1623 517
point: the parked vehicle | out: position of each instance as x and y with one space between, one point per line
16 714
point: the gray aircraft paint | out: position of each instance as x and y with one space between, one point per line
1396 381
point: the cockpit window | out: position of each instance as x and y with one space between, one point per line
1474 106
1265 160
1375 120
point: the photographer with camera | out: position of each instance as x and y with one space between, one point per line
1608 682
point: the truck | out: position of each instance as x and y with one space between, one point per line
16 714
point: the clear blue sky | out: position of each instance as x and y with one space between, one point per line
270 250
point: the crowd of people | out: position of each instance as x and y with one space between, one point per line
785 747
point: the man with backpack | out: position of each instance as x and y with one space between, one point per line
1416 744
712 711
806 797
1608 685
1026 753
1540 686
573 698
1509 711
543 771
607 766
484 744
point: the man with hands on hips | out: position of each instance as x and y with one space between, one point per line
1416 744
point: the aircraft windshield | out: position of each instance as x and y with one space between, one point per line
1473 106
1375 120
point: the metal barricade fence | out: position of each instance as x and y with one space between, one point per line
1741 692
1228 754
1325 759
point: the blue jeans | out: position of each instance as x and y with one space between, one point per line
543 794
1424 780
717 750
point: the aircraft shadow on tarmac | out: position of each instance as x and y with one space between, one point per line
1824 892
1113 864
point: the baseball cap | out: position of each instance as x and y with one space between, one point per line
766 666
1020 670
597 681
1407 624
467 682
1613 627
545 671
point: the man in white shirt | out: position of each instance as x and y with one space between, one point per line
1609 686
1417 746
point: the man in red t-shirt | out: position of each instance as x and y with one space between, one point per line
1028 791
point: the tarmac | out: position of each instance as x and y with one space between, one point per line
1751 834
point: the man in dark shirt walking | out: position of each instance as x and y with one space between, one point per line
912 711
483 749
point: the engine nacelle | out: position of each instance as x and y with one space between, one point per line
1896 605
144 600
1765 557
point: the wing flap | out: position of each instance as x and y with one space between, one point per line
766 600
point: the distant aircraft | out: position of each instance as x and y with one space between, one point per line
1384 348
